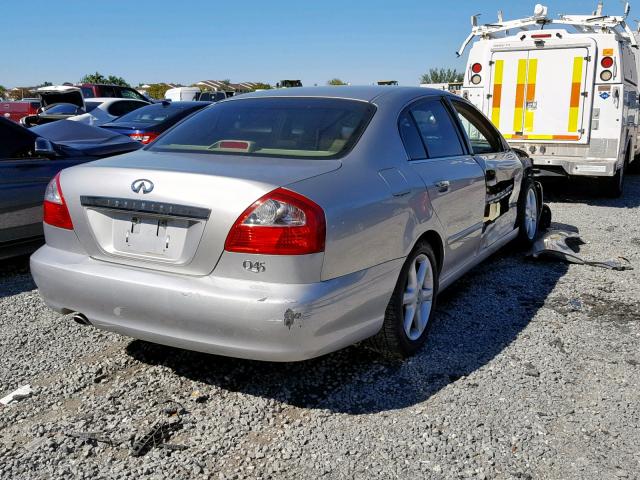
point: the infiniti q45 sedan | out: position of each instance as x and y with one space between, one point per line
287 224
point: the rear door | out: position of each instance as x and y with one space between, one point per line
454 179
543 94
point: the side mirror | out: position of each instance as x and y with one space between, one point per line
44 148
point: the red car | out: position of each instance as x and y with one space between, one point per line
16 110
96 90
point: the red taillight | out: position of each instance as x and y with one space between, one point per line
541 35
56 212
607 62
476 68
280 223
144 137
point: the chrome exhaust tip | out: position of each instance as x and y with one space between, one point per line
81 319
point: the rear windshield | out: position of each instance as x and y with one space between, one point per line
278 127
155 113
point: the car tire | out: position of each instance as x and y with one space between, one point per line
529 208
408 317
614 186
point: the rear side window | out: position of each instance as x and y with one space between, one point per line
118 109
129 93
87 92
157 113
483 136
437 129
411 137
274 127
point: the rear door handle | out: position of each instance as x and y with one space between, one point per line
443 186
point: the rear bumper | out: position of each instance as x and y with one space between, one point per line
237 318
577 166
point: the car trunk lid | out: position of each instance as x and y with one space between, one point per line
61 94
180 225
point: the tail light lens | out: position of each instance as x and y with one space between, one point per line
56 212
476 68
607 62
476 79
606 75
280 223
144 138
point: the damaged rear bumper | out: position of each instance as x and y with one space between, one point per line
237 318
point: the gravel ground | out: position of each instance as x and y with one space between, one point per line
532 371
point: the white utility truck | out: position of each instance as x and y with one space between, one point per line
564 90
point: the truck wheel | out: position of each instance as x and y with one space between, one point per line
614 186
528 213
408 318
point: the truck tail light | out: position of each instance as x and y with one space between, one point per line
280 223
476 79
144 138
476 68
607 62
606 75
56 212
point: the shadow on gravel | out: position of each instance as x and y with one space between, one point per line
15 277
587 191
476 319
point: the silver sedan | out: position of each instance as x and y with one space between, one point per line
287 224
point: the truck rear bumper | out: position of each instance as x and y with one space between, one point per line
575 166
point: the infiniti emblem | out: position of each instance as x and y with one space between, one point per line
142 185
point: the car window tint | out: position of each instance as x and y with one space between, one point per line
411 137
87 92
158 113
107 91
118 109
62 109
484 138
437 129
276 127
127 93
89 106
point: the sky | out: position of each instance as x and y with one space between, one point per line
187 41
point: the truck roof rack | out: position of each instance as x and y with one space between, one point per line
595 23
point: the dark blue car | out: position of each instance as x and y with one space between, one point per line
29 159
146 123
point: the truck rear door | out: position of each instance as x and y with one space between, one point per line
544 94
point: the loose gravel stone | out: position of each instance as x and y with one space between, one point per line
532 370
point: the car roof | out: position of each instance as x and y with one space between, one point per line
183 103
113 100
365 93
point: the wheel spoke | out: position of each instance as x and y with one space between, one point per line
409 298
422 272
409 315
426 294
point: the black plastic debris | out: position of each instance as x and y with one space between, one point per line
160 432
563 245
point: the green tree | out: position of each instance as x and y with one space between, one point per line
262 86
157 90
336 81
3 91
442 75
45 84
99 78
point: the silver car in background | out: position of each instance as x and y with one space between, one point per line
286 224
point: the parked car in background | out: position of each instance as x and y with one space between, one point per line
286 224
29 158
63 102
213 96
16 110
146 123
180 94
97 90
99 111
